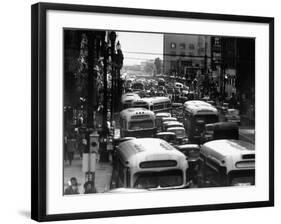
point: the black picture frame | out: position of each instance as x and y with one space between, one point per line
39 114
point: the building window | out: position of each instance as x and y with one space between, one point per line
182 46
191 46
173 45
217 41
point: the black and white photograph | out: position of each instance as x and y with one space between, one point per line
135 111
141 112
145 111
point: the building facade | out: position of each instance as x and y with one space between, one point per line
186 55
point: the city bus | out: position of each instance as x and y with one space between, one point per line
150 163
227 163
196 114
128 98
137 122
155 104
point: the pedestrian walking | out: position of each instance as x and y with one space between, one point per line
73 187
71 148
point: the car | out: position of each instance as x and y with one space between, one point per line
170 124
165 119
169 137
192 153
224 107
180 134
232 115
159 117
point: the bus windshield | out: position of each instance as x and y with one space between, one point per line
206 119
143 124
159 179
242 177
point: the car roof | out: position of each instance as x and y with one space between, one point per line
188 146
165 133
175 128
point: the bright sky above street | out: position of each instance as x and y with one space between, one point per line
138 47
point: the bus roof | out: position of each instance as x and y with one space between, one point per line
199 107
151 100
223 149
127 113
148 149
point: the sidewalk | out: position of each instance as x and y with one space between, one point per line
102 176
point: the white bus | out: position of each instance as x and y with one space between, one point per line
227 163
150 163
155 104
137 122
128 98
196 114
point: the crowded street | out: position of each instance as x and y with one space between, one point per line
175 121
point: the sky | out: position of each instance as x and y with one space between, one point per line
138 47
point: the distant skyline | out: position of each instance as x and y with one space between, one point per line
138 47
